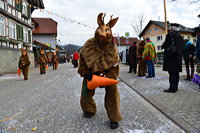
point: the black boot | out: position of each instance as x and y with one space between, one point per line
170 91
188 73
114 125
192 73
88 114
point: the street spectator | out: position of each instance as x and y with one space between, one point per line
197 53
173 49
149 55
133 58
142 63
54 61
188 55
42 61
197 33
75 59
127 56
24 63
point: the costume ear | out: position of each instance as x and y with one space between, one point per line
100 20
112 22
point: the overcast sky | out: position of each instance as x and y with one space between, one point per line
86 11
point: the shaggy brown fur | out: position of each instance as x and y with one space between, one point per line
54 61
99 54
24 64
142 63
42 60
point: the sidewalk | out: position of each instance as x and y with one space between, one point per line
182 107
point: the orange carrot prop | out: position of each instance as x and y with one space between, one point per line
98 81
19 71
47 67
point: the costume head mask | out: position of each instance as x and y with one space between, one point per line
104 33
42 51
24 52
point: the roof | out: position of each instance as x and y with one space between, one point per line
162 25
123 40
42 45
45 26
36 3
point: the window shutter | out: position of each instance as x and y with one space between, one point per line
29 36
18 32
22 34
28 11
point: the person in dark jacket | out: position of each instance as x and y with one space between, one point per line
188 55
197 52
24 64
133 58
127 56
173 60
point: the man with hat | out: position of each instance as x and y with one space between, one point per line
173 48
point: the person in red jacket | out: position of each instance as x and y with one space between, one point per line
75 59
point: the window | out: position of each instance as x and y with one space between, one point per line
156 29
12 30
25 35
149 31
1 4
159 47
159 38
24 8
10 2
2 26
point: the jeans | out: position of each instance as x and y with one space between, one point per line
173 80
151 68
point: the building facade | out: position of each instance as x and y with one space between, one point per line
45 31
15 31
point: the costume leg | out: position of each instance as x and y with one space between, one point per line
87 101
25 73
112 103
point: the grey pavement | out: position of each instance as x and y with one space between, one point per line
51 103
183 107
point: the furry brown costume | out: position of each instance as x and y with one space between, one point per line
42 60
142 63
24 64
99 55
54 61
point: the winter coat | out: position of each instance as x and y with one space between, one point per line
95 57
54 59
132 55
75 56
23 62
42 59
173 62
189 49
198 48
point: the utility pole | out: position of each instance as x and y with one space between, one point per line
165 12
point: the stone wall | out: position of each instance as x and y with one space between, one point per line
9 59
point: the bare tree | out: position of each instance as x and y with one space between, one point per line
138 23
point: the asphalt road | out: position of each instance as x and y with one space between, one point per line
50 104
